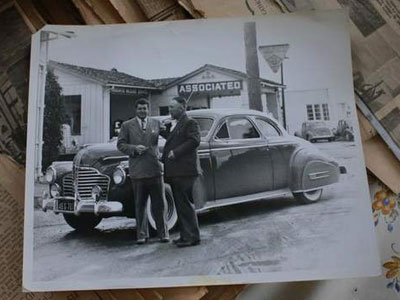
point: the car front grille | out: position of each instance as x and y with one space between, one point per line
68 185
85 179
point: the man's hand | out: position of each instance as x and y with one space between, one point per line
165 123
140 149
171 155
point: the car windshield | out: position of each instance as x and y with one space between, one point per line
205 125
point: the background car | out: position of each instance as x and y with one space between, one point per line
315 130
344 131
244 155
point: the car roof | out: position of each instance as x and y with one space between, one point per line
223 112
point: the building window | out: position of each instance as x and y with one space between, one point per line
317 111
314 112
73 113
164 111
325 111
310 113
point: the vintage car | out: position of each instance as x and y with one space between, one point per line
315 130
344 132
244 155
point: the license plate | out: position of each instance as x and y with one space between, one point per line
66 205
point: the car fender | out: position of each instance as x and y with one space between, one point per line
62 168
310 169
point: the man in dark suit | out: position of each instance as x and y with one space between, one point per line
138 138
181 168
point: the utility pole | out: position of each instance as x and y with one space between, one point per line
283 100
252 67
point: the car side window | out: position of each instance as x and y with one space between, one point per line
267 128
223 133
241 128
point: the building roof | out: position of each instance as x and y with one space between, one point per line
112 76
211 67
163 82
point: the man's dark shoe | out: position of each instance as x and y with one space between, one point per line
177 241
164 240
182 244
141 241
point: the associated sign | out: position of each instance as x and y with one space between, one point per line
215 88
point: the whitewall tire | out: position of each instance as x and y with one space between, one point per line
170 210
309 196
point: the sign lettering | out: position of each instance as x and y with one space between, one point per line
225 87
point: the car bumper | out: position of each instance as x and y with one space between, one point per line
83 206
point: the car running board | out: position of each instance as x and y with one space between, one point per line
243 199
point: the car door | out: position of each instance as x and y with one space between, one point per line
240 159
281 148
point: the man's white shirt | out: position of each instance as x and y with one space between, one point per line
173 124
142 123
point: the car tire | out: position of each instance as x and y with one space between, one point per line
308 197
172 215
84 222
348 137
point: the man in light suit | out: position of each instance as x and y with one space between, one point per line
138 138
181 168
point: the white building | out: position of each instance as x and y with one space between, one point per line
313 105
96 99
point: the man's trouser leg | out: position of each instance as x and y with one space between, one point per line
182 189
141 194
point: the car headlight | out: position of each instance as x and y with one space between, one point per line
50 175
55 190
119 176
96 192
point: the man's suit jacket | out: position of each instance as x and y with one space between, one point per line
131 134
183 140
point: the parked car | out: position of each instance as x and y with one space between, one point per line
344 131
244 154
315 130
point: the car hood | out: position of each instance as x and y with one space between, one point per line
91 154
94 154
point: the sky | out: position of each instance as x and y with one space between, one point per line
318 57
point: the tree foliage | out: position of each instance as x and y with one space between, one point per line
54 117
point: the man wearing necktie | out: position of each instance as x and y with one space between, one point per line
181 168
138 138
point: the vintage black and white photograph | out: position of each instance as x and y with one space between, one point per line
182 153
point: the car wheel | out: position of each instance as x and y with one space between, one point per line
348 137
85 222
172 216
308 197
